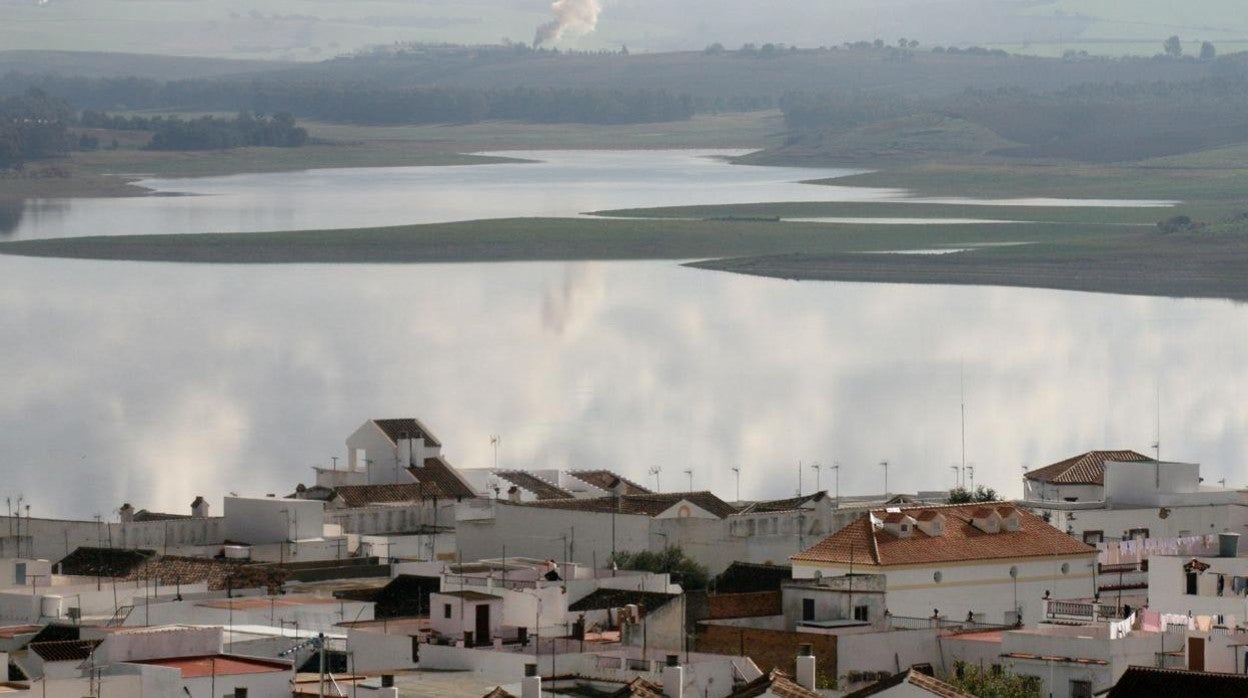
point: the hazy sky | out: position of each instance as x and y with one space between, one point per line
310 29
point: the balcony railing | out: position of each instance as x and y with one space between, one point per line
1081 611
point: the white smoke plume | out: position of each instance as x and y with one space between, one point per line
577 16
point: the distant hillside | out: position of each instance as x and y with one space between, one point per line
109 65
918 72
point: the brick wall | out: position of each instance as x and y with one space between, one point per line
749 605
770 649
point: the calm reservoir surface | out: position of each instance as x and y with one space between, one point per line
558 183
153 383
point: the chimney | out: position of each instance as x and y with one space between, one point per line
199 508
986 519
806 666
1009 519
930 522
126 512
513 494
899 524
673 678
531 687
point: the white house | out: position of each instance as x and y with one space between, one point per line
991 561
1122 495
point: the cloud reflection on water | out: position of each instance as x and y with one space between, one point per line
153 383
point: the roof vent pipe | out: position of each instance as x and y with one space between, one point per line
531 687
806 666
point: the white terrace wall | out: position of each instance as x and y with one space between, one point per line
53 539
375 652
538 532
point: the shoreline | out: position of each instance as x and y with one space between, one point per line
1132 260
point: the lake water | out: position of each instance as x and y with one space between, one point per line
559 183
153 383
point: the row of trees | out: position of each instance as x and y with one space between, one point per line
32 127
211 133
368 103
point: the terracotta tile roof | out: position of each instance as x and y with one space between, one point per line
539 487
408 427
927 515
216 573
439 475
64 650
143 515
915 678
603 479
218 665
602 599
639 688
1084 469
961 541
776 683
644 504
498 692
106 562
1147 681
981 513
894 517
12 631
363 495
789 504
1005 512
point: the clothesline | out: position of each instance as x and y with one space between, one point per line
1135 550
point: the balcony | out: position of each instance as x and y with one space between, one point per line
1079 611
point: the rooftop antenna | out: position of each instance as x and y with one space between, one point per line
655 472
816 467
970 470
962 387
1157 432
494 441
956 475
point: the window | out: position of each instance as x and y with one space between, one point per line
808 609
1137 534
1080 689
861 613
1093 537
446 610
1191 583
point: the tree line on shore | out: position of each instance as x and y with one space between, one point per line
366 103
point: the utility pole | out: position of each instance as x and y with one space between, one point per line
495 439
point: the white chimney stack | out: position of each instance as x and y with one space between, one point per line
199 508
531 687
673 678
806 667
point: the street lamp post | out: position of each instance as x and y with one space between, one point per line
737 472
884 464
816 467
836 468
689 472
